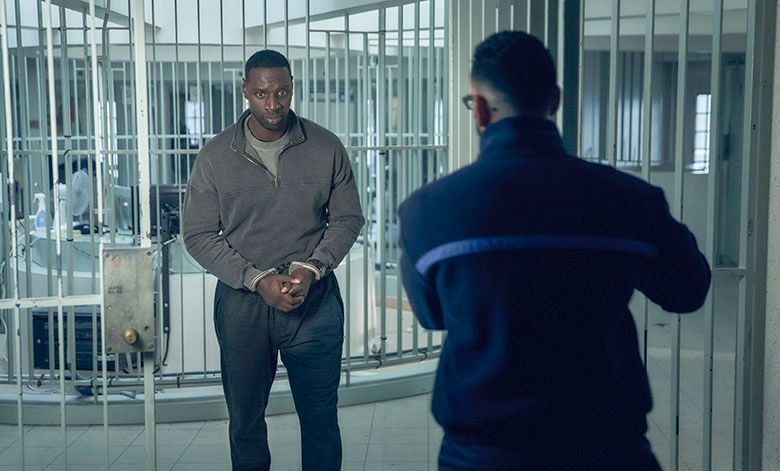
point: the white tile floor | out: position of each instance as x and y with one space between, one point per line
392 435
401 434
398 434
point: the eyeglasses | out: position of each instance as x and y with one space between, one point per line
468 101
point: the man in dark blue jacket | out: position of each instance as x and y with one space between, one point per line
528 258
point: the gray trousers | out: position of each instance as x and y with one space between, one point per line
309 339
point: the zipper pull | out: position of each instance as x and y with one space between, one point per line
276 181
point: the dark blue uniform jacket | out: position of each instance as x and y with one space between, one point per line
529 257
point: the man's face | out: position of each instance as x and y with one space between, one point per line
269 93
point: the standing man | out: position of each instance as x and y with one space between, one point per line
528 259
271 209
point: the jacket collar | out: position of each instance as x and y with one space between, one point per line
521 137
296 131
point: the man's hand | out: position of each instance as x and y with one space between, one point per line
301 282
276 290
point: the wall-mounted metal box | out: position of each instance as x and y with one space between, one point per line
128 300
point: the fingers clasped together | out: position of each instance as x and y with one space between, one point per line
285 292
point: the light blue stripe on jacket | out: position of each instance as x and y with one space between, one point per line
532 242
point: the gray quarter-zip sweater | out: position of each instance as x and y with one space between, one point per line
239 219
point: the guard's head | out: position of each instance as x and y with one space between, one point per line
512 74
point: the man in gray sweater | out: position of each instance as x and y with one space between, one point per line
271 209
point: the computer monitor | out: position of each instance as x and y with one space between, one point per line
165 218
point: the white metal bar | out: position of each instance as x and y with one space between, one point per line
400 141
647 134
142 127
381 106
142 122
709 251
150 424
348 300
57 216
366 114
677 211
65 218
747 438
326 121
580 76
98 134
51 301
286 29
614 58
265 25
474 20
306 74
14 249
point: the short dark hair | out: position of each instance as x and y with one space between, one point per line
266 59
517 65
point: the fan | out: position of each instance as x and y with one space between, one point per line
80 195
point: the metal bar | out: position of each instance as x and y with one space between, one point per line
381 108
747 428
570 72
474 21
417 165
243 48
198 115
221 66
14 249
24 110
316 80
647 130
100 218
68 165
142 126
57 216
306 75
459 55
142 123
401 125
348 277
265 24
364 160
109 112
677 211
150 423
91 204
581 76
41 85
211 100
614 44
623 82
709 251
286 28
447 123
326 121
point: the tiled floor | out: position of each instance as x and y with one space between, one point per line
391 435
402 435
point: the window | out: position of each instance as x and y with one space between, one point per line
701 136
